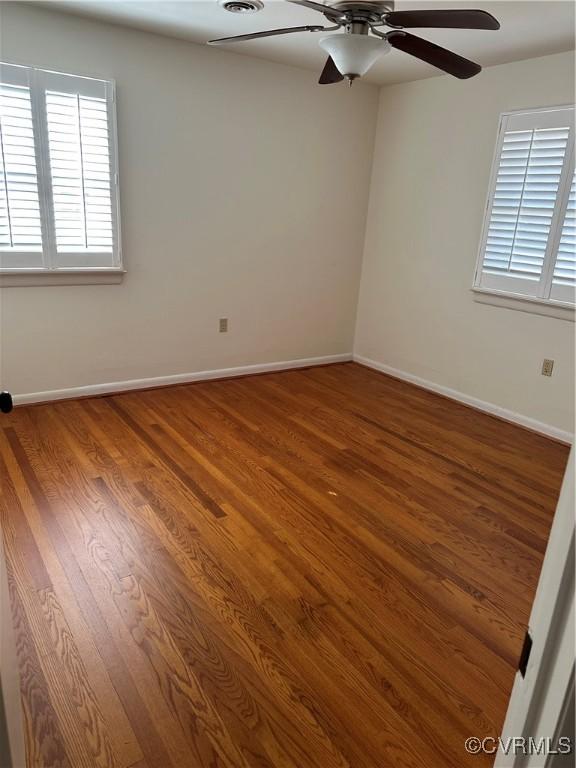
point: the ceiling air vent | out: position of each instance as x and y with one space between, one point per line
241 6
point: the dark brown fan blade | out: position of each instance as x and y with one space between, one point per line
443 19
330 73
320 7
433 54
268 33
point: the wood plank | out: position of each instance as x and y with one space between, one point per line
136 711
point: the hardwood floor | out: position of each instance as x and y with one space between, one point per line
308 569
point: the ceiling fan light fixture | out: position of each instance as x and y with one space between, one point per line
354 54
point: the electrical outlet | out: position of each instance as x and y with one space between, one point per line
223 325
547 367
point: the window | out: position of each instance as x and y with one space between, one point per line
528 247
58 174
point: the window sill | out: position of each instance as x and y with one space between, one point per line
525 304
23 278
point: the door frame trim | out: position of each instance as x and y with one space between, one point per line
537 701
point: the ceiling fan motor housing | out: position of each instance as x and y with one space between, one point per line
364 10
379 6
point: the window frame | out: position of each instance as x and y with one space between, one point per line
498 289
63 268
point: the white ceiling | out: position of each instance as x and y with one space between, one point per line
529 28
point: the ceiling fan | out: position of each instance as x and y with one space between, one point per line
351 55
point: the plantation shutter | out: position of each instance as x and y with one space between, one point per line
564 276
20 217
81 169
58 188
520 244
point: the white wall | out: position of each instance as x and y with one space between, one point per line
434 146
244 189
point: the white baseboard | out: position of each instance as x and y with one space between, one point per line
474 402
92 390
179 378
